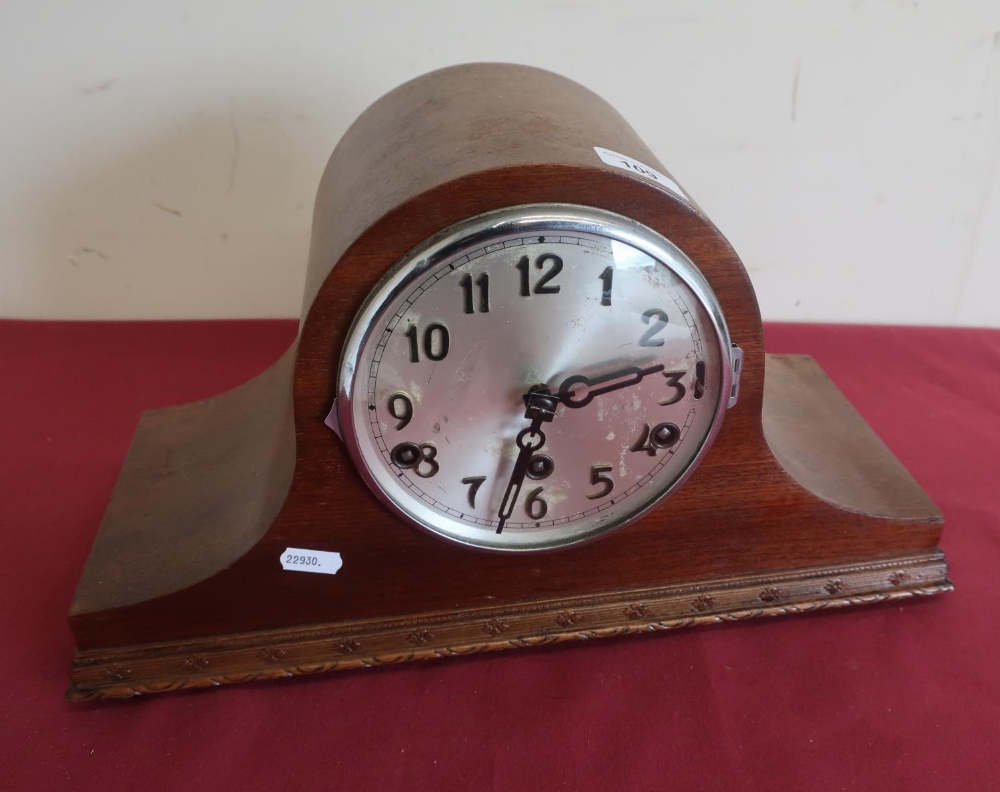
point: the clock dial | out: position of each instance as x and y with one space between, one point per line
534 377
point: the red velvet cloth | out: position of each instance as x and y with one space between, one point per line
870 698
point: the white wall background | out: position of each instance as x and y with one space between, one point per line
159 160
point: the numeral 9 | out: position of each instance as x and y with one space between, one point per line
403 413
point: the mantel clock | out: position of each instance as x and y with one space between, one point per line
528 403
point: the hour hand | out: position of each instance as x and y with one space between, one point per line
579 390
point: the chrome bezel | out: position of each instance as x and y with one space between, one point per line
473 233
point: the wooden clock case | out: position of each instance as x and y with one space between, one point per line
798 506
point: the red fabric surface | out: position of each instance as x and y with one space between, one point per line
878 697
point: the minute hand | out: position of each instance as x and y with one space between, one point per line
540 407
623 378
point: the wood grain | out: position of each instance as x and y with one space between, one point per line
273 654
447 146
196 492
829 449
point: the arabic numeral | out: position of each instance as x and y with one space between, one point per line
606 278
474 483
649 337
411 334
413 456
674 382
297 560
534 506
542 286
599 475
483 283
436 342
402 414
663 435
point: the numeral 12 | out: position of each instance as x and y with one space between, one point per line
542 286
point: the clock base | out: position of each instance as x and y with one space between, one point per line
273 654
133 642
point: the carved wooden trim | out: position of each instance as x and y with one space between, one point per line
798 506
291 652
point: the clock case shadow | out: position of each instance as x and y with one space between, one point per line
797 507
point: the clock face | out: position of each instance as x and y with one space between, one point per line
534 377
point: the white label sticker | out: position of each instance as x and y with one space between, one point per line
295 559
624 162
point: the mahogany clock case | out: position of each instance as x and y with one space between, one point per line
797 506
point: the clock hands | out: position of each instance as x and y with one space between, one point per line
623 378
540 406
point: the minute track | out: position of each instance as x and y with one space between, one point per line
412 301
452 409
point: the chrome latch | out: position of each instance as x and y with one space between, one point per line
734 389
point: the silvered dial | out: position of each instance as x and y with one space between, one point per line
534 377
